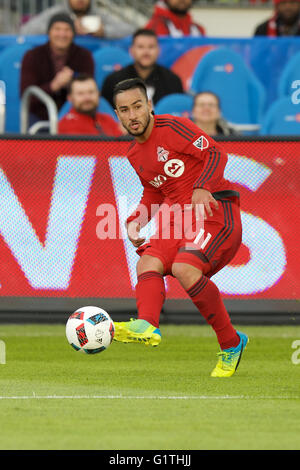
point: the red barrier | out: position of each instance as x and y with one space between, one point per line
52 215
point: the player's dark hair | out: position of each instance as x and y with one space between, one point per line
129 84
80 77
143 32
207 93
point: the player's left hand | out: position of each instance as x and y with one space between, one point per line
202 203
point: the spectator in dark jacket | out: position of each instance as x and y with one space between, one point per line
159 80
284 22
172 18
52 65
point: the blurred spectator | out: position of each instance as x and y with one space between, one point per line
284 22
206 114
52 65
172 18
83 118
160 81
87 17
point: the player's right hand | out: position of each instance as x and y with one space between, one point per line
133 232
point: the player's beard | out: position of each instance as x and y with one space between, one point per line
137 134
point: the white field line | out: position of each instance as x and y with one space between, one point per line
150 397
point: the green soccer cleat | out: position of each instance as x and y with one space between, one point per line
137 331
229 359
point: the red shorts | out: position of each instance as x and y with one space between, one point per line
209 246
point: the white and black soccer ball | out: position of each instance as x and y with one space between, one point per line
90 330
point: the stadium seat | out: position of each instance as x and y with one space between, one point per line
185 65
109 59
290 73
225 73
10 66
104 107
178 104
282 118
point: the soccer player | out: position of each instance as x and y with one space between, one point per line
176 161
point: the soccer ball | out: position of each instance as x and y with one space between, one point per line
90 330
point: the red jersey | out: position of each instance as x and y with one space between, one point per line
166 23
177 158
78 123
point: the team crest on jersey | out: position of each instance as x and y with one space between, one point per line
162 154
201 143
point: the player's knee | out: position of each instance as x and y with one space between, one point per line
149 263
186 274
178 270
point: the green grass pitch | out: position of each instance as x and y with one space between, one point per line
137 397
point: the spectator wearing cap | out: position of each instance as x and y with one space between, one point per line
284 22
89 19
51 66
172 18
84 117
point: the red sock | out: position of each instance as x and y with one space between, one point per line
150 296
207 298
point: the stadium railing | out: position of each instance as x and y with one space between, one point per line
51 124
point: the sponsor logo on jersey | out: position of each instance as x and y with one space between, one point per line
174 168
201 143
158 181
162 154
